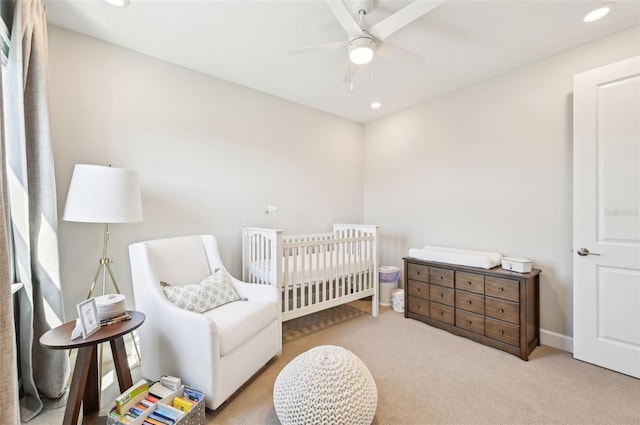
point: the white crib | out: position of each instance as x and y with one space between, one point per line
314 272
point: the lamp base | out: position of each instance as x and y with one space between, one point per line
104 267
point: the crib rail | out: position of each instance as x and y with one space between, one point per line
314 272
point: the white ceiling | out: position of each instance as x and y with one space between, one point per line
244 42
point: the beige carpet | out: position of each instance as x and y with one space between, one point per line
428 376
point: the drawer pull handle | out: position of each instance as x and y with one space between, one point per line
418 273
442 313
441 277
468 322
441 295
468 282
501 310
501 332
418 290
501 289
469 302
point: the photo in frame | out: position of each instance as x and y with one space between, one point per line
88 317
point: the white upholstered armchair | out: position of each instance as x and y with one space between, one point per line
215 351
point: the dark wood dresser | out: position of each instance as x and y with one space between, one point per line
495 307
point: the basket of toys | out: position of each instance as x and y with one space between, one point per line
141 404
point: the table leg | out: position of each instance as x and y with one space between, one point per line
92 391
78 384
121 364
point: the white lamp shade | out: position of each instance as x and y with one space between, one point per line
99 194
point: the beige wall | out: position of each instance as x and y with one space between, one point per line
204 149
489 168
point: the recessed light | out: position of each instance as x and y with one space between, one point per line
376 105
118 3
598 13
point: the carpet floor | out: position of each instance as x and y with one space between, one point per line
427 376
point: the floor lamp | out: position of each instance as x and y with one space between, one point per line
107 195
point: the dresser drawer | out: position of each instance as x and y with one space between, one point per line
470 282
502 331
419 306
440 276
503 310
418 289
470 321
418 272
470 301
502 288
441 294
442 313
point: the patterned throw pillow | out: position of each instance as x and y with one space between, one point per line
212 292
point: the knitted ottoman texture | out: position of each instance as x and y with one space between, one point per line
325 385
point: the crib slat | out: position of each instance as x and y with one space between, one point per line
316 283
285 280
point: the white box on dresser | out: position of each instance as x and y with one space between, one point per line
516 264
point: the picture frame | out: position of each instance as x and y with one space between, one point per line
88 317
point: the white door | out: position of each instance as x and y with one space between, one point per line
606 217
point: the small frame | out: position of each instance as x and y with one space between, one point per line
88 317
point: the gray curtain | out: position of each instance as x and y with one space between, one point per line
8 356
32 199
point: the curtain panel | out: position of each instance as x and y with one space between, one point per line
33 209
8 354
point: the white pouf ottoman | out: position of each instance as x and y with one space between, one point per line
325 385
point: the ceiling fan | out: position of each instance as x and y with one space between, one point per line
364 43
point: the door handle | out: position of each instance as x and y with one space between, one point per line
584 252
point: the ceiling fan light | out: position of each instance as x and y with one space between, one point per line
361 50
598 13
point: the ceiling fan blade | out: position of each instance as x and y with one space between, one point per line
348 73
320 47
343 16
388 50
402 17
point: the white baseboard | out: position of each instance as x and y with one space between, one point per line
556 340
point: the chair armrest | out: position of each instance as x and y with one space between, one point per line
165 318
255 291
171 338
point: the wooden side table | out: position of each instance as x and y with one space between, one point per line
84 382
